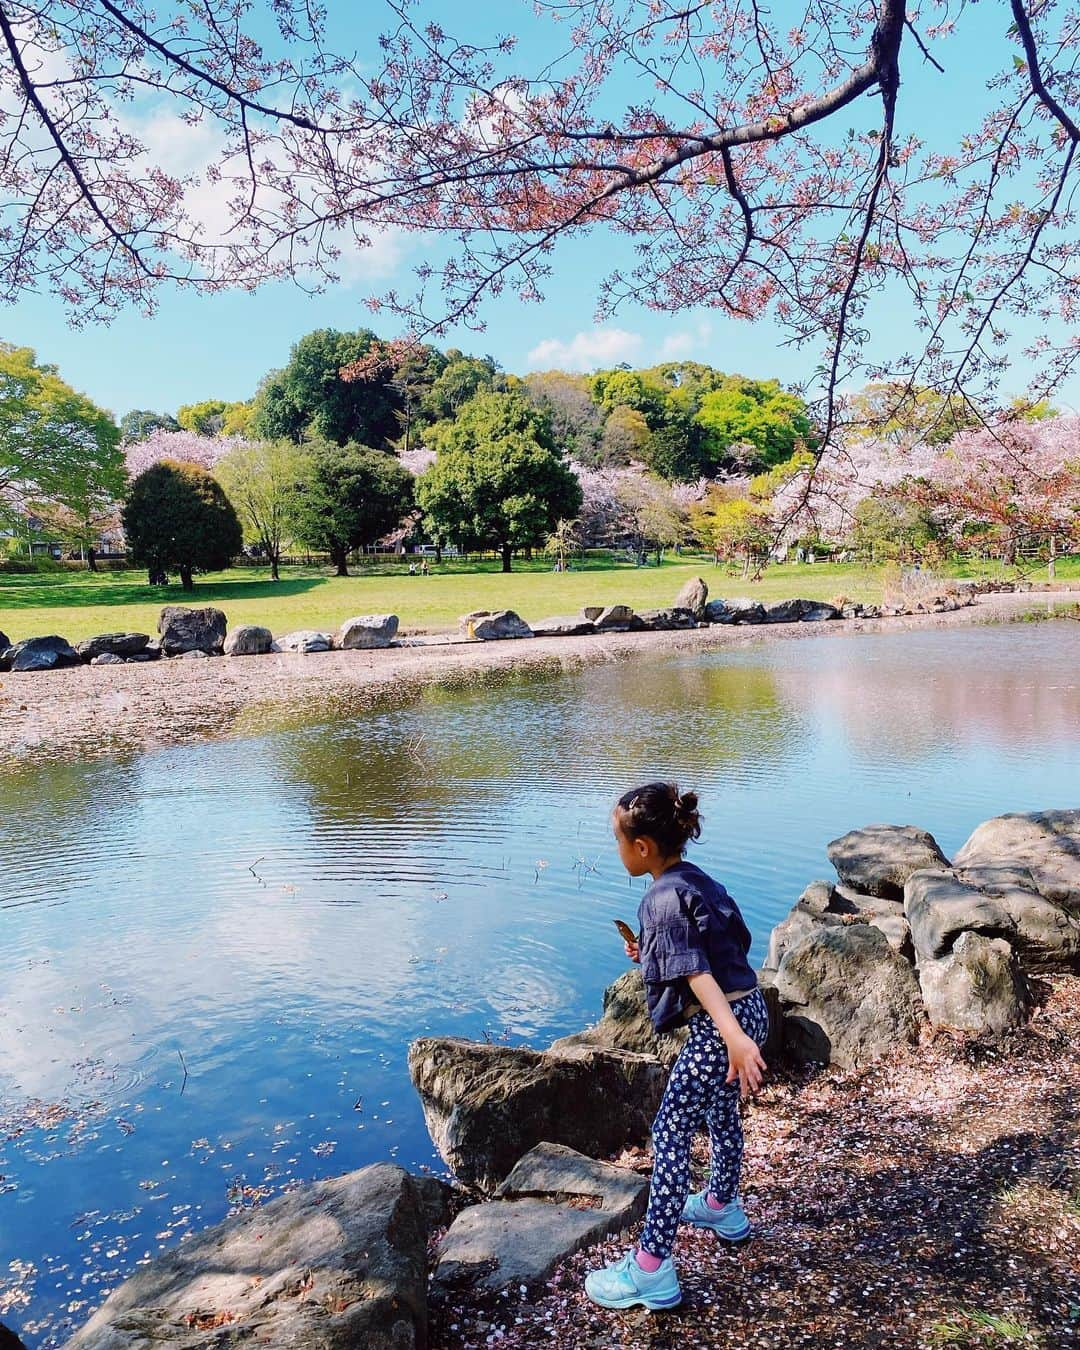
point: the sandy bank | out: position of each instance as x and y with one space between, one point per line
116 709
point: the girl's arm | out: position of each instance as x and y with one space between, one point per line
744 1057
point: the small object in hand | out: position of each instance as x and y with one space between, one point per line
625 931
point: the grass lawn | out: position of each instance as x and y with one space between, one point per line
80 604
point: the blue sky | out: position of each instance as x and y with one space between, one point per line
199 347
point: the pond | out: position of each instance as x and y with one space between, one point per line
214 957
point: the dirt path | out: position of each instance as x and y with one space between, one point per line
931 1201
116 709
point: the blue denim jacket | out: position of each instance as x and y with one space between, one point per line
689 924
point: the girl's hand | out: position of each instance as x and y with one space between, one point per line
745 1063
633 951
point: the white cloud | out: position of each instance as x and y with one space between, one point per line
586 351
686 345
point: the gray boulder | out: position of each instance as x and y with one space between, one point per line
304 640
565 625
249 640
112 644
1045 843
996 902
611 619
823 904
785 611
367 631
5 642
485 625
152 652
848 998
332 1266
43 653
665 620
192 630
108 659
878 859
195 655
977 987
739 609
487 1105
553 1203
693 595
818 611
626 1025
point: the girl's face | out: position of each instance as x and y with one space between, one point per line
636 855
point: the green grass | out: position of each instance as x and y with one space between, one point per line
78 604
971 1329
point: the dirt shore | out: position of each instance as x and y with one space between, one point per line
110 710
930 1201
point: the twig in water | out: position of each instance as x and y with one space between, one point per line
183 1065
252 867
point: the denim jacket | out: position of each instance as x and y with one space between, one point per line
689 924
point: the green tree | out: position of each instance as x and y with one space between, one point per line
498 480
649 514
351 496
177 517
902 413
758 413
137 424
261 480
54 441
204 419
310 400
890 528
460 380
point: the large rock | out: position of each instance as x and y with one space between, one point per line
333 1266
1046 843
109 659
535 1223
304 640
192 630
665 620
999 902
367 631
977 987
5 641
823 904
487 1105
43 653
800 611
848 998
878 859
485 625
693 596
562 625
611 618
249 640
626 1025
8 1339
113 644
738 609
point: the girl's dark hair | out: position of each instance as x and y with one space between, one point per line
661 812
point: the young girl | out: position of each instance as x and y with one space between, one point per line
692 948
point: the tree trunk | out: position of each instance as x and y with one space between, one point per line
185 579
91 561
274 576
1051 566
506 553
338 557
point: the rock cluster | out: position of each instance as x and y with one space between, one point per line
907 937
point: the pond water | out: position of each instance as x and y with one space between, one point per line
214 957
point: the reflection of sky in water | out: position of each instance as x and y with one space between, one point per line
283 914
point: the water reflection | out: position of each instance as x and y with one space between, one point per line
281 914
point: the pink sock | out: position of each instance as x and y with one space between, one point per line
647 1261
712 1201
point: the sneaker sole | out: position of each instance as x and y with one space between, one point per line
652 1304
732 1239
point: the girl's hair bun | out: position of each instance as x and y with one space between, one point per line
661 812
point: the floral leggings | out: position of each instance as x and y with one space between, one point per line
697 1095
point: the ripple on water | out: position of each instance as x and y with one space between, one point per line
286 912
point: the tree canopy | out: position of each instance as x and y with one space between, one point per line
767 166
178 518
350 497
261 479
498 480
58 450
